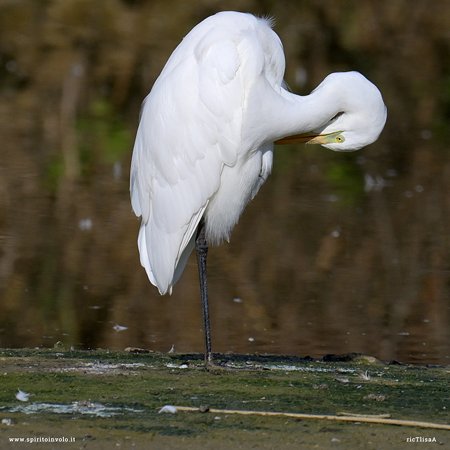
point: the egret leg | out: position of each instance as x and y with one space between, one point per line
201 248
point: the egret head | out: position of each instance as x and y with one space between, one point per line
361 116
356 113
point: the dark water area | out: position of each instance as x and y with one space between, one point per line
337 253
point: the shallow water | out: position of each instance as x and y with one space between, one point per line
337 253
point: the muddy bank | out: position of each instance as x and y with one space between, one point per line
99 399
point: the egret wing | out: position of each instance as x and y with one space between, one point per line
190 127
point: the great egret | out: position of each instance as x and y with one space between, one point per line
206 136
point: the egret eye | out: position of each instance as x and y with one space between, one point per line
340 139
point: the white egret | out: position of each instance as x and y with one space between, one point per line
206 136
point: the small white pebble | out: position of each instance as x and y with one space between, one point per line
341 379
168 409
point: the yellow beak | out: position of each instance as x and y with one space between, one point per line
320 139
304 138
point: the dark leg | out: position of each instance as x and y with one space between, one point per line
201 248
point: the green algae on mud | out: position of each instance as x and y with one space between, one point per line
104 399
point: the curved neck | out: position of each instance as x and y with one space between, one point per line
274 115
303 114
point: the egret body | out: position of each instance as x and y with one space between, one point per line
206 136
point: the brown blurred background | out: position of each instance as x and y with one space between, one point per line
337 253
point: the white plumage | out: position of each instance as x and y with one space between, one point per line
207 131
